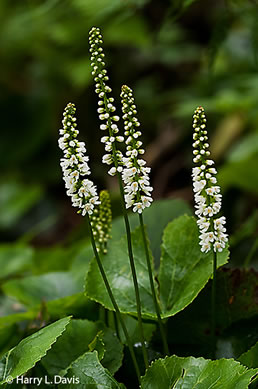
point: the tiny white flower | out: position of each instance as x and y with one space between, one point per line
112 171
107 158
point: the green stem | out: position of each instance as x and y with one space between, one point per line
133 270
213 305
112 298
154 296
128 233
116 319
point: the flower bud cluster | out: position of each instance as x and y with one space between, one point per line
75 165
106 108
206 191
101 222
135 174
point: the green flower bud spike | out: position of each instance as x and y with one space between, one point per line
101 222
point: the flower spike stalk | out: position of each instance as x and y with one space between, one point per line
84 195
137 185
207 203
114 157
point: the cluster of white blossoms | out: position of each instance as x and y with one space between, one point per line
75 165
106 108
206 193
135 174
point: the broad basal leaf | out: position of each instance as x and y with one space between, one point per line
14 259
35 289
75 342
69 346
188 373
30 350
184 269
250 358
162 210
113 355
117 267
90 373
16 199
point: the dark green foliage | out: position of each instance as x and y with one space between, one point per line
176 55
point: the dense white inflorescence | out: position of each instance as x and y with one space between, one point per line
106 108
135 174
75 165
206 191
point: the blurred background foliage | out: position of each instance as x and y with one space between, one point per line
176 55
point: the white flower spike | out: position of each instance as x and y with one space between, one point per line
206 193
74 165
106 108
135 175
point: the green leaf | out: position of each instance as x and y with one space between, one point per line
15 200
174 372
70 346
250 358
133 330
240 174
76 305
14 259
16 318
128 29
30 350
90 373
35 289
162 210
245 148
113 355
117 268
184 269
98 345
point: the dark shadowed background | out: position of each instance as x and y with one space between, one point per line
176 55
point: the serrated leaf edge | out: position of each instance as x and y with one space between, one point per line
200 358
166 315
37 360
90 352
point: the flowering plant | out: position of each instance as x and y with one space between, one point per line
117 306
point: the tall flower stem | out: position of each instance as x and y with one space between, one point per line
133 270
129 241
213 305
114 156
155 300
112 298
